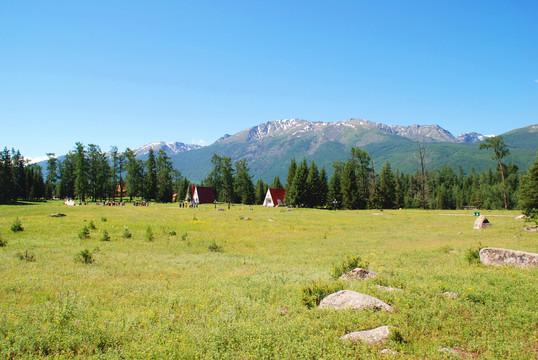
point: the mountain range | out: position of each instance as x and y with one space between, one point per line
269 147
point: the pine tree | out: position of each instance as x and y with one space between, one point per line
299 187
7 178
52 176
313 197
150 186
260 191
497 145
165 188
387 187
361 162
528 193
350 191
276 184
243 187
323 190
289 182
81 167
334 198
134 178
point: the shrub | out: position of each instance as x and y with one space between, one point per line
91 225
396 336
184 237
126 233
16 225
3 242
85 257
313 293
103 219
149 234
213 247
84 233
349 263
472 255
27 256
172 233
105 236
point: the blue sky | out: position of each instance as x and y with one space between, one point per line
127 73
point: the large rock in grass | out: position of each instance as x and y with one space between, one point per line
481 222
374 336
348 299
496 256
359 274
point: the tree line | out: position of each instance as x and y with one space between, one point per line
88 173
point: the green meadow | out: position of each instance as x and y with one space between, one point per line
209 285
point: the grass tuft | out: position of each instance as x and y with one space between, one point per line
27 256
84 233
149 234
16 226
349 263
313 293
85 257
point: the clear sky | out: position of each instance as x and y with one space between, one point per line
127 73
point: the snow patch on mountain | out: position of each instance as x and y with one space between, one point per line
170 148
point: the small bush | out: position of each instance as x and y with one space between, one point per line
149 234
184 237
472 255
91 225
3 242
84 233
313 293
126 233
396 336
85 257
105 236
103 219
16 225
172 233
349 263
27 256
476 298
213 247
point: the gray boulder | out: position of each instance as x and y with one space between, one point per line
348 299
496 256
531 228
359 274
481 222
374 336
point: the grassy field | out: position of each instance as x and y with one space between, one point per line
226 288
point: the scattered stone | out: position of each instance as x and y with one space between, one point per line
520 217
516 236
451 294
288 209
377 214
374 336
270 220
531 228
359 274
246 219
453 251
459 233
219 209
388 289
284 311
481 222
388 352
345 299
449 351
496 256
57 215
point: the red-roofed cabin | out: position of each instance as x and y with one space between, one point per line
202 194
120 191
274 197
